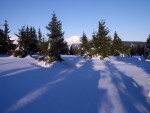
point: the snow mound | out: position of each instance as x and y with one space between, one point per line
45 64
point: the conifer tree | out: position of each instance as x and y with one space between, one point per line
56 39
117 46
65 49
148 43
27 41
6 38
94 44
84 43
33 47
147 53
39 36
103 40
2 48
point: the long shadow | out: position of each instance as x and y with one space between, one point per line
7 63
54 90
131 93
13 71
145 65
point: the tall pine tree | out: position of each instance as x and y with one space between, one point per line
102 40
6 38
84 43
56 39
94 44
117 46
39 36
2 48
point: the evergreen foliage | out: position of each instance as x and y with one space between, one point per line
117 46
148 47
94 44
148 43
30 42
5 42
56 39
2 47
42 43
27 41
101 41
65 49
75 49
39 36
137 50
84 43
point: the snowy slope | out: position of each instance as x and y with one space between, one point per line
118 85
15 38
73 40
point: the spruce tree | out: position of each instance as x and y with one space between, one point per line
39 36
2 48
117 46
94 44
27 41
65 48
84 43
147 53
103 40
56 39
33 47
6 40
148 43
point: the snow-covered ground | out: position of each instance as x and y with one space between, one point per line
118 85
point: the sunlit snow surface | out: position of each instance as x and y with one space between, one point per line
115 85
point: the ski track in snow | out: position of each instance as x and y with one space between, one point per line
118 85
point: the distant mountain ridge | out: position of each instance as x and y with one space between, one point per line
76 40
134 43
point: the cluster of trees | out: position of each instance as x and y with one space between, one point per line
103 45
31 42
6 45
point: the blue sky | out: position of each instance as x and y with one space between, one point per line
130 18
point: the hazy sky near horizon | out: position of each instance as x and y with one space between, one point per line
129 18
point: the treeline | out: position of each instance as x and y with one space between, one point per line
31 41
103 45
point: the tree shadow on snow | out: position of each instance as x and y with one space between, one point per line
135 61
59 89
131 94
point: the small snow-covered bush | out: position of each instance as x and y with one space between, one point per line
87 56
17 53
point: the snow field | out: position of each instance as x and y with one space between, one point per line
115 85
